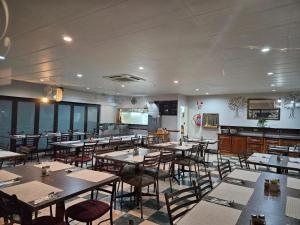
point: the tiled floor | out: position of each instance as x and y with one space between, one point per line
152 215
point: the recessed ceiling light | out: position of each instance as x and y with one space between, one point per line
272 85
87 88
67 38
2 57
206 93
279 100
175 81
197 89
118 93
292 102
79 75
265 49
270 73
123 85
42 80
274 90
141 68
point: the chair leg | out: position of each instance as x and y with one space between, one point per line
170 180
141 202
122 185
190 174
157 194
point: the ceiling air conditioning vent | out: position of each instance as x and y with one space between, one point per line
124 78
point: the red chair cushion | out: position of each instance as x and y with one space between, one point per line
87 211
47 220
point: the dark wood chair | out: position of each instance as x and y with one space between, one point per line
243 160
224 168
199 156
86 154
204 185
189 160
135 141
284 150
12 211
179 202
30 146
167 166
141 179
114 143
91 210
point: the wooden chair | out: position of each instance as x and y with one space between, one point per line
12 211
141 179
243 160
114 143
224 169
91 210
135 141
199 156
31 146
86 154
189 160
179 202
204 185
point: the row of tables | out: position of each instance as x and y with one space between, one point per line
245 190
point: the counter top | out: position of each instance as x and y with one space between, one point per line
274 136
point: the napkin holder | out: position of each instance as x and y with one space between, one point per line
45 171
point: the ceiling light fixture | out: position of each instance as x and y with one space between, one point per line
42 80
123 85
67 38
175 82
270 73
265 49
118 93
87 88
79 75
274 90
2 57
272 85
206 93
141 68
197 89
279 100
44 100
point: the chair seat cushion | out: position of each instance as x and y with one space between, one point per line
46 220
185 161
87 211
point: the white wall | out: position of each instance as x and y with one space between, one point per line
219 104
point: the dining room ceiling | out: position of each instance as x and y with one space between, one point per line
207 46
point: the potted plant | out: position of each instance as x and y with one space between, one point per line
262 122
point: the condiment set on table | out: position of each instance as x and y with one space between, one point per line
272 187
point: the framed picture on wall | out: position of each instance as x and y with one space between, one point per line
263 109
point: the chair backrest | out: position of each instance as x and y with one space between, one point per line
32 139
151 162
204 185
65 137
243 160
152 140
186 138
88 148
178 202
135 141
115 141
10 206
108 165
283 149
224 168
166 156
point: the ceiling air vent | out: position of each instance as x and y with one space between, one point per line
124 78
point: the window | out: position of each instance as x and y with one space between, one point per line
92 119
5 122
46 121
25 117
78 118
64 112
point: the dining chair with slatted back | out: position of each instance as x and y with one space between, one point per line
224 168
86 154
204 184
243 160
30 146
180 202
135 141
114 143
13 213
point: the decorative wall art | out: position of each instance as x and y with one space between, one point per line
197 118
210 120
236 103
292 102
263 109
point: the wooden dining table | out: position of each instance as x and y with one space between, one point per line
9 155
246 189
281 163
68 183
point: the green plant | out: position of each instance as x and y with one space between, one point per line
262 122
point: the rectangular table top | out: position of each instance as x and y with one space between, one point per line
70 186
9 155
127 156
275 208
282 162
175 146
100 141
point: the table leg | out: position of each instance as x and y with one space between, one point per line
60 211
27 217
